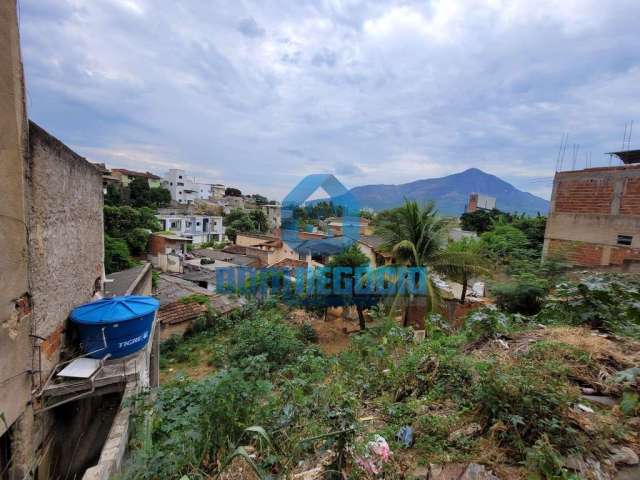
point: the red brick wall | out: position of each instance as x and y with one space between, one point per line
580 253
473 203
590 254
630 203
620 254
584 196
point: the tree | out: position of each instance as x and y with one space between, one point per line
113 196
414 234
259 219
232 192
352 257
479 221
139 192
137 240
159 197
506 243
233 215
116 254
462 260
260 199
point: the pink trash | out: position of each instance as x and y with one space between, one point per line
375 456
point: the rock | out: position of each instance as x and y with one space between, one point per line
460 471
587 390
601 400
476 471
450 471
584 408
574 462
466 431
420 473
634 423
630 473
623 455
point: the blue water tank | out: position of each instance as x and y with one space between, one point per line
124 323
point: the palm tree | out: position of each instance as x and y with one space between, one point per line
415 235
462 260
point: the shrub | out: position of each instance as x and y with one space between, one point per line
200 298
525 295
525 402
308 334
267 336
487 322
607 302
116 254
137 240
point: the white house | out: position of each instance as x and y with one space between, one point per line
199 228
184 189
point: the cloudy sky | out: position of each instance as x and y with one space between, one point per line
257 94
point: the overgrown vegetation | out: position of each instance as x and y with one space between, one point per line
463 400
126 233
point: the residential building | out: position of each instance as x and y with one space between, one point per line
594 217
107 177
273 211
268 248
126 176
198 228
478 201
336 225
185 189
371 246
217 191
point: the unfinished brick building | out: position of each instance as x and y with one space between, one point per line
594 219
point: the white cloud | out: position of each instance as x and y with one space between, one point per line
389 91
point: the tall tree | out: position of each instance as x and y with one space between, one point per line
259 219
232 192
352 257
414 234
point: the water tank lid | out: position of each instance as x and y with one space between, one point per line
114 309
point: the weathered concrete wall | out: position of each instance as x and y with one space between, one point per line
15 319
66 247
589 209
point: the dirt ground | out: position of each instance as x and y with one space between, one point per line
333 332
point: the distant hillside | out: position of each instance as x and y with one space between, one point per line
451 193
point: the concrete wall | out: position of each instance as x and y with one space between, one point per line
66 245
589 209
15 317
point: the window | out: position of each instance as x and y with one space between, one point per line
171 184
197 224
180 184
180 177
625 239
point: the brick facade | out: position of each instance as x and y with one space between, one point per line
593 211
584 196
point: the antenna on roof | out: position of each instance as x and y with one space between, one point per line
629 139
563 149
559 152
624 136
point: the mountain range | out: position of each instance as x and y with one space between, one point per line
451 193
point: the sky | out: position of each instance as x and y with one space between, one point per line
258 94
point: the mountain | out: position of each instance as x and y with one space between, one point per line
451 193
